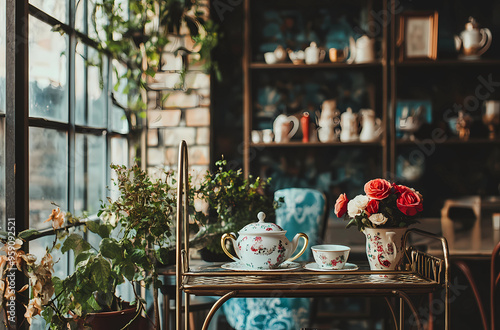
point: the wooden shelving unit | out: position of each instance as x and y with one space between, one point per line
393 81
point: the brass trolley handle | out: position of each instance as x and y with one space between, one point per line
306 239
223 239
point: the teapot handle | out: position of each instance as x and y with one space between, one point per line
485 40
295 128
295 242
223 244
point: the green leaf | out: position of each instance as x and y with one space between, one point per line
84 256
104 230
76 243
128 270
93 226
100 272
26 234
137 255
110 248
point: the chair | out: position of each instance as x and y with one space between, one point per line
301 210
495 283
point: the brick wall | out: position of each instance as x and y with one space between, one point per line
179 110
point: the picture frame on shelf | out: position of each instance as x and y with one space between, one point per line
418 35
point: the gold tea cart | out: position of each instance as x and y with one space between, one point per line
424 274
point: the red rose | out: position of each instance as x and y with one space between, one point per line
372 206
378 189
341 205
409 202
400 188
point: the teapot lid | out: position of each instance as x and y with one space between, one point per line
472 24
262 227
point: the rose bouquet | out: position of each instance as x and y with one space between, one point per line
385 205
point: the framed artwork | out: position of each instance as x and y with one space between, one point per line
418 33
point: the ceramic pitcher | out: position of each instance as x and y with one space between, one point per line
349 126
371 126
284 128
384 248
473 41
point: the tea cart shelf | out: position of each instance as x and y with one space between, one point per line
424 274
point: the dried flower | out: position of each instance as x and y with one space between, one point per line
57 218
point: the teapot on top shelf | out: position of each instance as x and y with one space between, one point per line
361 50
313 54
473 41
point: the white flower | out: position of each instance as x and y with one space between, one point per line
357 205
110 218
377 219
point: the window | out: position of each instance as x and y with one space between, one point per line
75 130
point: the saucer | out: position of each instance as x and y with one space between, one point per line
238 266
314 266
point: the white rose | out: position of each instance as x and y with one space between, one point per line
377 219
357 205
110 218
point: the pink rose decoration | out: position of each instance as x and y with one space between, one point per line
378 189
341 205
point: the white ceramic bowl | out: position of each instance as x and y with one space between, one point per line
270 58
330 256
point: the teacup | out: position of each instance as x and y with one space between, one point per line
330 256
270 58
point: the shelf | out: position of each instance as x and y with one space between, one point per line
450 141
329 65
316 144
448 63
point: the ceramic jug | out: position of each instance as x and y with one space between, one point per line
284 128
473 41
349 126
280 54
371 126
313 54
362 50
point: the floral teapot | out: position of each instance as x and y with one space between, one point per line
263 245
473 41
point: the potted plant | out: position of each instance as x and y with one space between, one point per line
135 239
71 301
383 215
233 201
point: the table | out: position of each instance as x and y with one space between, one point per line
423 274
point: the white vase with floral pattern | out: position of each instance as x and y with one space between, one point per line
384 248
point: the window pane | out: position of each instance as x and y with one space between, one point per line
3 50
48 173
119 156
80 98
55 8
80 15
118 121
90 172
96 91
48 91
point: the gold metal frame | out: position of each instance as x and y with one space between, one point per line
422 274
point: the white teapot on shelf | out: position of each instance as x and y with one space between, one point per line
473 41
328 120
361 50
263 245
371 126
285 127
349 126
313 54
